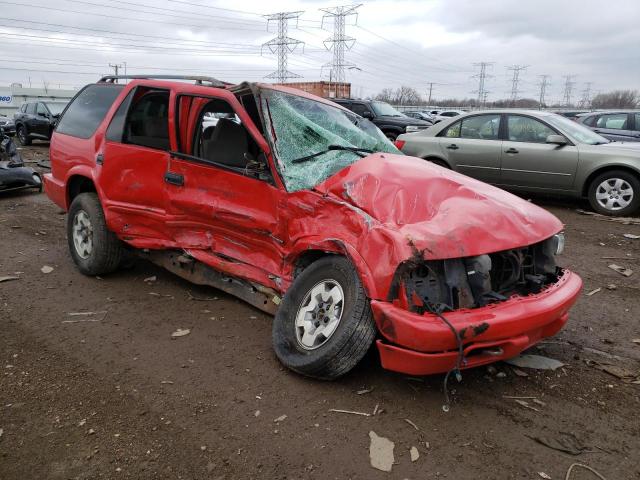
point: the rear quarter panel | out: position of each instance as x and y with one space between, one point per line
591 163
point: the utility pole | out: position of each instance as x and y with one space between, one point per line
116 68
544 83
585 101
482 76
282 45
568 89
339 42
516 69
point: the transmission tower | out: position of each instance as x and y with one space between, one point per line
585 101
339 42
482 76
568 89
544 83
515 80
282 45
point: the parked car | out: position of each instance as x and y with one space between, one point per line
384 116
420 115
570 114
447 114
618 126
36 120
7 124
14 175
306 210
535 151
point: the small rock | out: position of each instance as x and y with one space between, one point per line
203 448
46 269
82 422
415 455
91 431
544 475
381 452
491 370
181 332
150 279
501 375
257 413
612 286
281 418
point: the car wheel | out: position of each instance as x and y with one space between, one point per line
615 193
324 325
23 137
391 136
94 249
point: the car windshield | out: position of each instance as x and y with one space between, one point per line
383 108
56 108
313 140
576 131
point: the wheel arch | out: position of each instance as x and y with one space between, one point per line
436 159
77 184
606 168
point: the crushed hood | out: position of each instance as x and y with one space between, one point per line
440 212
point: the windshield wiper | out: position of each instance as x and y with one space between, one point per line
330 148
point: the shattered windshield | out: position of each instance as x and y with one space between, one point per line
313 140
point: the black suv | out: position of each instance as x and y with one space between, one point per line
384 116
36 120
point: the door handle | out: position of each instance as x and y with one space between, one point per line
174 178
453 146
511 150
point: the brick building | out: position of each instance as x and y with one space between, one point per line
323 89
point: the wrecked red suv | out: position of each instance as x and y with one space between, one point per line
305 210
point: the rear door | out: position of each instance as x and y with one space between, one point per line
615 126
134 159
529 161
473 146
224 207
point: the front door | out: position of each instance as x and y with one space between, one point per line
473 146
134 161
41 121
530 162
223 205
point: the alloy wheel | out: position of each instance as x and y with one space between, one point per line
319 314
614 194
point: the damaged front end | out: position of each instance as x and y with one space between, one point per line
421 285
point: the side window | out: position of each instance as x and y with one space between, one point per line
147 123
87 110
115 132
589 121
209 129
31 108
527 129
42 110
359 108
484 127
23 108
616 121
453 131
637 115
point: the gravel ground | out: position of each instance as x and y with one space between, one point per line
112 395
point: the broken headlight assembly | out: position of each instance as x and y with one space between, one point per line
443 285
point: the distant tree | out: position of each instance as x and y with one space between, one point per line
400 96
617 99
385 95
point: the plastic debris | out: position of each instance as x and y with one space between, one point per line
631 236
415 454
150 279
535 361
627 272
564 442
46 269
381 452
337 410
281 418
8 278
181 332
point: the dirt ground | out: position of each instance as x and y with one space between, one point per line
112 395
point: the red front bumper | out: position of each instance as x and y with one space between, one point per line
423 344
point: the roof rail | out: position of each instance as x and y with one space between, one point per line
200 80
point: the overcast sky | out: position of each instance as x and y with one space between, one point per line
399 42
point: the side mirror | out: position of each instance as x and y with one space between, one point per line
367 114
557 139
42 114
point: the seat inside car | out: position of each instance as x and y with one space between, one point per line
226 143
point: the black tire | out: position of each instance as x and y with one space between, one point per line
23 136
631 179
391 136
351 339
107 250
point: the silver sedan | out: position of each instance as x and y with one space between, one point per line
534 151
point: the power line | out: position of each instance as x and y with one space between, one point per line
544 83
282 44
482 76
339 41
516 69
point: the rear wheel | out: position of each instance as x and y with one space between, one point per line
615 193
22 135
324 325
94 249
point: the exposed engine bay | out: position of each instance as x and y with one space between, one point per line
444 285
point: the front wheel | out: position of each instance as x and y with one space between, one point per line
23 136
615 193
94 249
324 325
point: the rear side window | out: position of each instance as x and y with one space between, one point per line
481 127
31 108
637 121
147 122
87 110
616 121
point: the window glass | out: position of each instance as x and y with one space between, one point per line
31 108
313 140
147 123
359 108
88 109
115 132
449 114
453 131
42 110
616 121
637 121
527 129
578 133
383 108
56 108
484 127
23 108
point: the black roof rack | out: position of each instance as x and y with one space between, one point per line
200 80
